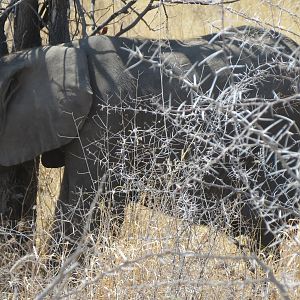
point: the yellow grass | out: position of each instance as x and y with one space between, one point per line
150 242
187 21
147 233
160 257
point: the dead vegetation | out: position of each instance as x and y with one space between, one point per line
158 256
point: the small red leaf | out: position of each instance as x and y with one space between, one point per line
104 30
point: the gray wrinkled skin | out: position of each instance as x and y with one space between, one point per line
119 104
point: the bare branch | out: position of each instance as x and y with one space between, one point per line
11 6
123 10
149 7
82 18
209 2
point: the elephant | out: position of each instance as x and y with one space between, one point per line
90 106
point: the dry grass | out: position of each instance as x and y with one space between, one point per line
160 257
190 21
156 256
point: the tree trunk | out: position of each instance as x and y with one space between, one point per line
3 42
59 22
26 25
23 179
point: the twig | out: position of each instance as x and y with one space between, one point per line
71 262
10 7
149 7
123 10
209 2
256 21
82 18
137 13
271 278
188 254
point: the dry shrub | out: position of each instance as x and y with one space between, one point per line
158 256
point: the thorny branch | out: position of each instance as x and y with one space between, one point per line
204 122
269 276
71 262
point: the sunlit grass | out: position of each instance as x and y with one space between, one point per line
189 21
165 258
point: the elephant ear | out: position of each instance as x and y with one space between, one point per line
45 96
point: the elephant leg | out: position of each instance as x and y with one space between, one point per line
264 240
92 201
26 188
6 192
261 238
115 202
89 209
84 216
17 205
18 197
